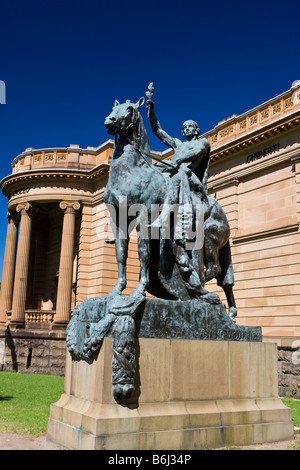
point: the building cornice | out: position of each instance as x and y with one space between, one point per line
239 131
90 150
98 172
273 129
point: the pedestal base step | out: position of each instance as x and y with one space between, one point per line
79 424
189 395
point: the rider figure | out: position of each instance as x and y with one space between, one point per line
190 162
191 158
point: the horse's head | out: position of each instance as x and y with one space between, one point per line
124 117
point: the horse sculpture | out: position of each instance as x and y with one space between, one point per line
135 180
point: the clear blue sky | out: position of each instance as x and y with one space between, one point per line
65 62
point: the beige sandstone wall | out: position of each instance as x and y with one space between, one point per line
261 203
97 270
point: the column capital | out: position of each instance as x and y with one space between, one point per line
69 206
13 216
26 208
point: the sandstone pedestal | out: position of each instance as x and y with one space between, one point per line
190 395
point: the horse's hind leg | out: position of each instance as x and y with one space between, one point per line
211 253
226 279
232 310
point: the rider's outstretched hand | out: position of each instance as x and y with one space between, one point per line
150 107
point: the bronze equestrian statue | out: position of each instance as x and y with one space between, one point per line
168 269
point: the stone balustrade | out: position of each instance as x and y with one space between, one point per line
36 316
39 316
237 126
72 157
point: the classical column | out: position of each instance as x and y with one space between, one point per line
40 263
64 289
8 271
20 284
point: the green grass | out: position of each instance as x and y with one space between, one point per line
25 401
295 409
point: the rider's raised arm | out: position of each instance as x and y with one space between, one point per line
156 127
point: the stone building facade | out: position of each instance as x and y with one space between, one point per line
56 255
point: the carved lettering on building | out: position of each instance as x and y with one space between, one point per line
17 192
263 153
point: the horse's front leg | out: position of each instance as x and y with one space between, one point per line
121 246
144 257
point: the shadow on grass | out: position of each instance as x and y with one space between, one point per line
8 397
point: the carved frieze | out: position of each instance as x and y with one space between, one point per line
288 103
253 120
227 131
61 156
243 124
276 108
264 114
